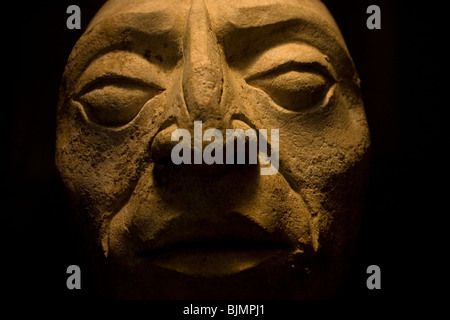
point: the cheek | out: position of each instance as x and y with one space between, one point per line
317 146
102 165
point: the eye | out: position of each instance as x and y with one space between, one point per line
115 102
294 89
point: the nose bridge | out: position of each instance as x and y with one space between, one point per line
202 74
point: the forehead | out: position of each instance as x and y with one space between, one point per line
241 12
112 6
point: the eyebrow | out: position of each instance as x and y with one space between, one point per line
120 32
245 38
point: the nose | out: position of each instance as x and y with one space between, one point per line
202 88
202 75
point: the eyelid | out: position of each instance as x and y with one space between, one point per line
120 65
291 65
119 80
288 56
115 104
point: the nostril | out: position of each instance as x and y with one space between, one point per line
207 169
241 153
162 145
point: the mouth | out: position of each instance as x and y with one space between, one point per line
223 246
218 257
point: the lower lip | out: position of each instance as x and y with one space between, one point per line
213 261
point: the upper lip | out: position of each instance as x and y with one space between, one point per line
229 232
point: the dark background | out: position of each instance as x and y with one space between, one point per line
402 71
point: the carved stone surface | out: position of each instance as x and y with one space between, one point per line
157 230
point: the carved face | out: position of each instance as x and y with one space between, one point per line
159 230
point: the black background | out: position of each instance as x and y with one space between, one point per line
401 68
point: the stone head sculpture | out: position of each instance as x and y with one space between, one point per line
158 229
